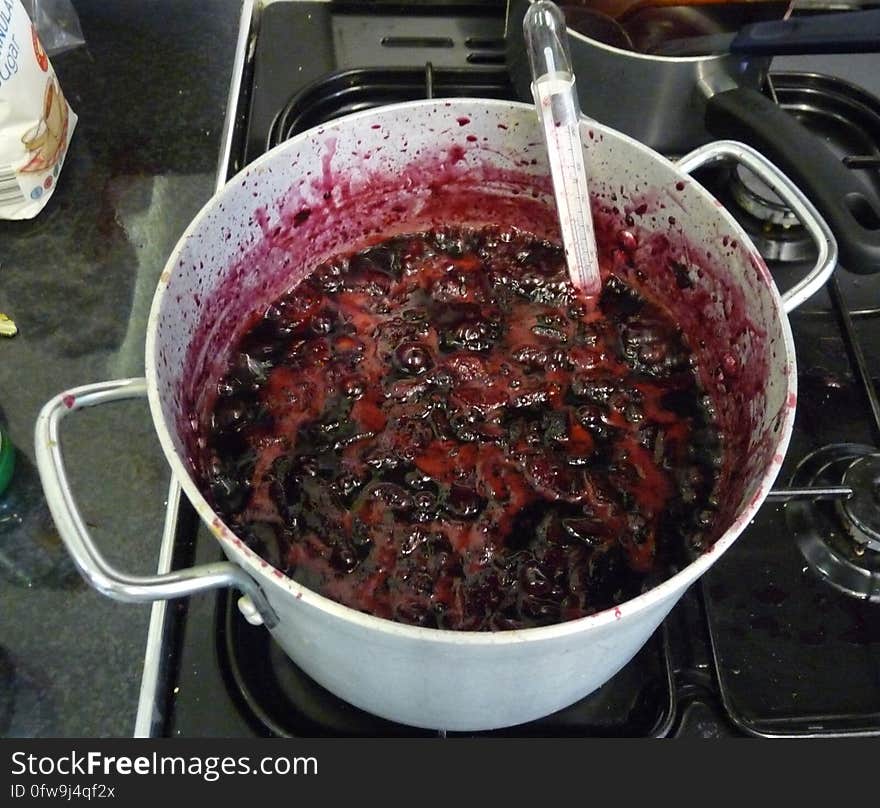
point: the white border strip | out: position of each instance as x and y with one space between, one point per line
146 714
245 26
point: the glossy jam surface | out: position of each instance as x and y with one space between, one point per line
438 431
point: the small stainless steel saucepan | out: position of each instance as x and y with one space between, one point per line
675 103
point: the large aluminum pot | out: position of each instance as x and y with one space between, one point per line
406 168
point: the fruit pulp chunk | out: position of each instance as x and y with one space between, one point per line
438 431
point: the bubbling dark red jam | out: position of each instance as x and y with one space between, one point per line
439 431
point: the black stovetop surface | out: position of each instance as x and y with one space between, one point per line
761 645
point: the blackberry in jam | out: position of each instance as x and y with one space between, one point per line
438 431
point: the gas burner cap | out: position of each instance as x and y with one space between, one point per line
780 244
839 540
758 199
862 510
773 229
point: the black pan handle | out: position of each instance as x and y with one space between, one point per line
845 201
852 32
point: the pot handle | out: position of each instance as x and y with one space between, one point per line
71 527
815 225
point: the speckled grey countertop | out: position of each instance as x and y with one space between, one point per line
150 90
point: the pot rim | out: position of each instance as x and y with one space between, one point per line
265 573
648 57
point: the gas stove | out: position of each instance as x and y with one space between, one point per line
782 636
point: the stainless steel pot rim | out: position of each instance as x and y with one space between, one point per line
261 570
646 57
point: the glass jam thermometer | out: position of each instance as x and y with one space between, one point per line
553 89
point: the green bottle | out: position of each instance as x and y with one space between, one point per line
7 458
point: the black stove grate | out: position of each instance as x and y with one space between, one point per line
348 91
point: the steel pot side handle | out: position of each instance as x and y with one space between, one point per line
791 194
72 529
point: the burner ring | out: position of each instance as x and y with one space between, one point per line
831 541
758 199
862 511
771 226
